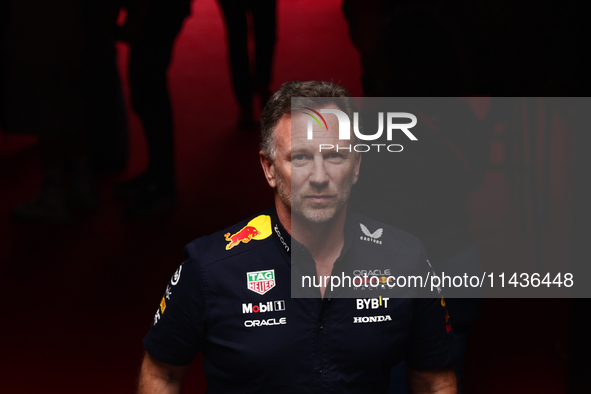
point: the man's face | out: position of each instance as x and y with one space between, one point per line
314 184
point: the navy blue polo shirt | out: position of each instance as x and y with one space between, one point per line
231 300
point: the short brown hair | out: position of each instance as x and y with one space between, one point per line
280 104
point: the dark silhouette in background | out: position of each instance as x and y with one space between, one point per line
105 117
44 45
4 20
151 28
250 77
69 94
495 48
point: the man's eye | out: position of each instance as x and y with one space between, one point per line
298 157
335 155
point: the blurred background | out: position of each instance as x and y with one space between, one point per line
90 102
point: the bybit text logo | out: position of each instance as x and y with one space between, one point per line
345 129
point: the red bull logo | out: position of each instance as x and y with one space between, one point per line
245 235
258 228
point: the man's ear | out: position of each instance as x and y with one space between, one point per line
268 169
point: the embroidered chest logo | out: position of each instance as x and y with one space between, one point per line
369 236
258 228
260 281
177 276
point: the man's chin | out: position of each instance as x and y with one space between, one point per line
316 215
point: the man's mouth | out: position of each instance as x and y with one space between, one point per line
319 198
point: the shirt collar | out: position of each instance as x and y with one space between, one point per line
282 237
297 247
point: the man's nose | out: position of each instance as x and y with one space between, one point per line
319 175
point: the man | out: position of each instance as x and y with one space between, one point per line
231 297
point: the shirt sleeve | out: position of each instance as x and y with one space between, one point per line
177 331
432 343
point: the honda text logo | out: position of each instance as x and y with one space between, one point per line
392 123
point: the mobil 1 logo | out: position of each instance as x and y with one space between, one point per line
262 307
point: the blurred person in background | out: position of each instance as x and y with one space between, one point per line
250 77
43 96
4 19
105 116
150 29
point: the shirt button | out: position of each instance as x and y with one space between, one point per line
320 370
321 326
329 299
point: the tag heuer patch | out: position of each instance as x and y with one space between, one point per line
260 281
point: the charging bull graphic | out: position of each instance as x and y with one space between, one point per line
258 228
245 235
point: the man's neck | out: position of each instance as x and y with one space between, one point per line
325 241
321 239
